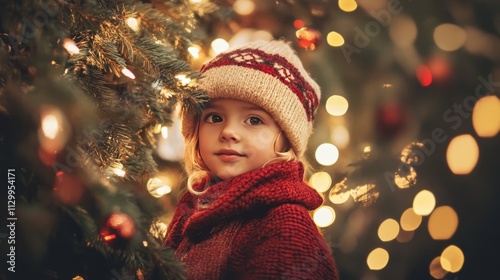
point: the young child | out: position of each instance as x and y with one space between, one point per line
246 213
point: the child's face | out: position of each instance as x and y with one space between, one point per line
236 137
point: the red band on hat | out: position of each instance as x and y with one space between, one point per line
274 65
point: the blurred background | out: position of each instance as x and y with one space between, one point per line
405 148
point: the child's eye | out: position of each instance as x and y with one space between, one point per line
213 118
254 121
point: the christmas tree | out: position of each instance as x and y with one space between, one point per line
85 86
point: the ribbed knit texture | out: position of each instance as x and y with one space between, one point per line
253 226
270 75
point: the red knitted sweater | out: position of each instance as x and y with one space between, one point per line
253 226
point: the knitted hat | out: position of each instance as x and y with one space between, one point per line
271 76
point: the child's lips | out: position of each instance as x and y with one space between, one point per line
228 155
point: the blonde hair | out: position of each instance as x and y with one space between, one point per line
197 170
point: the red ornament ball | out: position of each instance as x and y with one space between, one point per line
117 229
308 38
390 119
68 189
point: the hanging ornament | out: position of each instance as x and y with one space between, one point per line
117 230
308 38
67 188
390 119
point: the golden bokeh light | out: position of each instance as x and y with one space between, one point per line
348 5
194 51
244 7
158 229
336 105
320 181
365 194
410 220
339 198
443 223
377 259
388 230
409 154
403 31
424 202
340 136
340 193
335 39
436 270
159 186
157 128
462 154
327 154
324 216
219 45
452 259
409 179
367 151
449 37
486 116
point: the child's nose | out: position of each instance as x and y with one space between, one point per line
230 133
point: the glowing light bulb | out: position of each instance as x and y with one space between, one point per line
54 129
50 126
194 51
133 23
70 46
119 172
128 73
164 132
183 79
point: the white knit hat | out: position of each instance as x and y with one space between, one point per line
271 76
